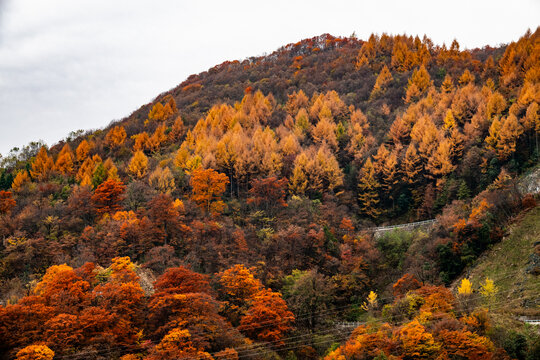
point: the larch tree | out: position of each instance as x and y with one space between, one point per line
177 130
296 101
325 130
383 80
418 84
440 163
20 180
449 121
82 151
116 136
111 169
368 187
399 132
301 123
162 180
140 141
411 165
138 165
157 139
426 136
447 85
503 136
42 166
64 162
299 180
388 175
466 78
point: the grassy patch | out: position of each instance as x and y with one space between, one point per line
506 263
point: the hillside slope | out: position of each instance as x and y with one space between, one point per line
514 265
246 191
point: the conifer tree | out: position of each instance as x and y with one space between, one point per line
42 166
383 80
82 151
138 165
368 187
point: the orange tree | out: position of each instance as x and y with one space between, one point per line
207 188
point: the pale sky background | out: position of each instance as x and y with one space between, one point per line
78 64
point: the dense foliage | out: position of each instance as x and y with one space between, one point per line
230 218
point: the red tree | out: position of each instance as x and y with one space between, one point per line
107 196
6 201
269 193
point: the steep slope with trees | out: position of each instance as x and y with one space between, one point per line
246 192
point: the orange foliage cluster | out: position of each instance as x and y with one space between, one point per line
107 309
435 331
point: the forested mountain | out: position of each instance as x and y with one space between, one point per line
232 217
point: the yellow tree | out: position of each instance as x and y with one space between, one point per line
140 141
327 166
447 85
289 145
399 131
440 163
264 153
111 169
360 140
367 190
296 101
42 166
82 151
380 158
162 180
301 123
496 104
20 180
488 289
299 180
177 129
418 84
449 121
382 82
503 136
64 162
157 138
371 302
86 170
426 136
325 130
466 78
411 165
465 287
115 137
389 174
138 165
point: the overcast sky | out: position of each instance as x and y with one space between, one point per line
78 64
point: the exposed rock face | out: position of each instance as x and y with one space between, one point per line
530 184
146 280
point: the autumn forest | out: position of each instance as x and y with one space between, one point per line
247 213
